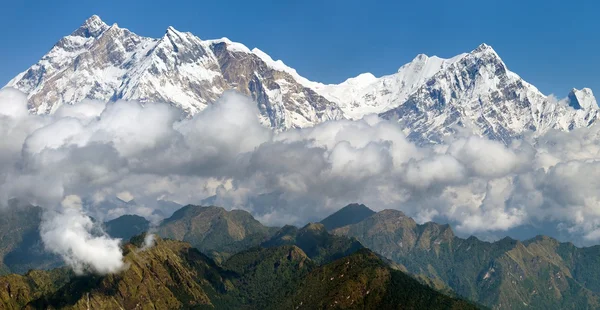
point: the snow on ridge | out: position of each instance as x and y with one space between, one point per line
231 46
161 69
280 66
583 99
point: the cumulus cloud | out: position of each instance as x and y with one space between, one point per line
69 233
128 157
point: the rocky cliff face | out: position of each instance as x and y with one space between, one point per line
430 96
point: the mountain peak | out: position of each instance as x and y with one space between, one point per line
94 19
582 99
92 27
171 29
484 49
350 214
421 57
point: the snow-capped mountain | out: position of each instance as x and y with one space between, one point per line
108 63
480 93
430 96
582 99
367 94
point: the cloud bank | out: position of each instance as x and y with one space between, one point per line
147 153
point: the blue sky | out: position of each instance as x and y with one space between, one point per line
553 44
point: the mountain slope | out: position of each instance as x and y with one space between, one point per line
18 290
21 247
507 274
215 231
367 94
108 63
363 281
172 275
265 277
315 241
350 214
480 93
582 99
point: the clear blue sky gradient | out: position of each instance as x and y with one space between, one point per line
553 44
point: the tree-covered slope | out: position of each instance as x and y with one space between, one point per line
321 246
173 275
506 274
363 281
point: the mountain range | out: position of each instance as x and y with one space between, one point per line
431 97
304 268
209 257
507 274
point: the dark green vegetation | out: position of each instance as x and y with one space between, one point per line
173 275
315 241
248 265
363 281
540 273
350 214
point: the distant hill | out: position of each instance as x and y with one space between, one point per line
540 273
350 214
173 275
215 231
126 226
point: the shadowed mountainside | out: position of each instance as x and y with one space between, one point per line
350 214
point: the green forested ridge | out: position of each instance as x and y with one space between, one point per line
507 274
173 275
363 281
540 273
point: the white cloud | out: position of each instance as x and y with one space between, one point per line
99 152
69 233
